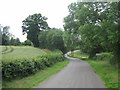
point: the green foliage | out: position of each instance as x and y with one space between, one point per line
6 38
107 57
21 68
27 43
104 56
5 35
36 79
70 40
71 24
97 23
90 37
52 39
32 25
15 42
43 39
82 13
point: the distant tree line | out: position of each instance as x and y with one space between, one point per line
6 38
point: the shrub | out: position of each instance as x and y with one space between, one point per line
21 68
104 56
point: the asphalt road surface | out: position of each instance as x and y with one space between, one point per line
77 74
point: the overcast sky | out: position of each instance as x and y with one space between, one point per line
13 12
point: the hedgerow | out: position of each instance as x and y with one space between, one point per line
107 56
104 56
25 67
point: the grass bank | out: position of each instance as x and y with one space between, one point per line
36 79
107 72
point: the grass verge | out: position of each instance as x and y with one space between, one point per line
107 72
36 79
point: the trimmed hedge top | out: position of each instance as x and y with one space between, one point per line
21 68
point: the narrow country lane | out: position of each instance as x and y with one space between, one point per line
77 74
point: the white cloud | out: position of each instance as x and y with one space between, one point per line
12 12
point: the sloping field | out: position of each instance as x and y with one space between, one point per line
15 52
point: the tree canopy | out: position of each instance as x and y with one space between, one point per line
32 25
97 24
52 39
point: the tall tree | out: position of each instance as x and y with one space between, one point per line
5 35
90 37
32 25
97 24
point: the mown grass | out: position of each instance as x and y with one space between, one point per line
47 51
3 48
21 52
107 72
36 79
79 55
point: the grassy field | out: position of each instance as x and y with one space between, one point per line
107 72
15 52
11 53
34 80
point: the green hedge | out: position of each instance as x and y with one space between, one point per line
104 56
21 68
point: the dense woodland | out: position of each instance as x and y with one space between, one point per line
92 27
